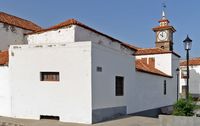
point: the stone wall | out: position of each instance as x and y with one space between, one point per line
168 120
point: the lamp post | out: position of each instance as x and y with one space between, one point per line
188 43
177 77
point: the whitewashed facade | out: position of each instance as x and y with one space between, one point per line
83 94
5 93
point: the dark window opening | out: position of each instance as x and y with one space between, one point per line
99 69
119 86
49 117
165 87
49 76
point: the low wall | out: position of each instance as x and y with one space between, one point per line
169 120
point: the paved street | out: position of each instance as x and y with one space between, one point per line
127 121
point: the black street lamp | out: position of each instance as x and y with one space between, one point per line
188 43
177 78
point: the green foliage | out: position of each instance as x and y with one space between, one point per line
184 107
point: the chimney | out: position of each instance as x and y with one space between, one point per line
152 62
144 60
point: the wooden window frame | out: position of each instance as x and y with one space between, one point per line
49 76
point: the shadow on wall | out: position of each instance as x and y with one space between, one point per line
194 83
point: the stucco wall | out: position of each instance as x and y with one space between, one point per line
82 34
62 35
75 33
148 92
153 95
113 63
11 35
142 91
70 98
5 94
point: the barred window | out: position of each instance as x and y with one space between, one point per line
49 76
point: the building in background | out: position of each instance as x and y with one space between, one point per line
13 30
75 73
194 77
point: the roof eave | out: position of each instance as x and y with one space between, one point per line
140 70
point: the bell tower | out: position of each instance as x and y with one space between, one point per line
164 33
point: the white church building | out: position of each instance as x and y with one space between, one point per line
75 73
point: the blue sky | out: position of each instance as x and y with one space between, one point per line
130 21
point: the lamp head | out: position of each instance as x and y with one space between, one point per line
188 43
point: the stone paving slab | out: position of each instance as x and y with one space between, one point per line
126 121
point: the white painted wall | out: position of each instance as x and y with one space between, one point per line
9 37
75 33
142 91
70 98
113 63
62 35
148 92
5 96
194 80
167 63
82 34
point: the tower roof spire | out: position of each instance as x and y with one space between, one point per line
164 21
163 11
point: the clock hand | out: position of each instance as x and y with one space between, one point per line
161 34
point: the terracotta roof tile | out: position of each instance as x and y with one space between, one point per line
19 22
149 51
75 22
192 62
4 58
163 28
147 68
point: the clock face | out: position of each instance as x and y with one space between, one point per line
162 35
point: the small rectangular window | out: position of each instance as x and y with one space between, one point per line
165 87
119 86
99 69
49 76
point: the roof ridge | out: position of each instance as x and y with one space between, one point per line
16 17
70 21
152 48
18 21
73 21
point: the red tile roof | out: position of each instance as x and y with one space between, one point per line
149 51
192 62
75 22
18 22
147 68
4 58
164 28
